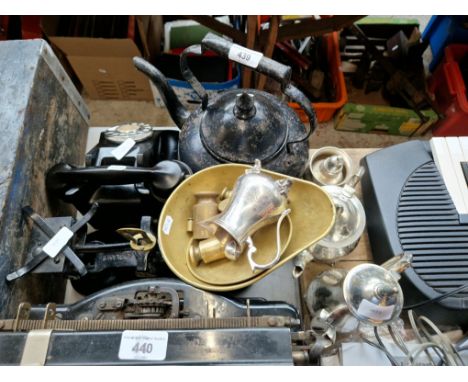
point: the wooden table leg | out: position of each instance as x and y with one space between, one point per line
269 46
251 37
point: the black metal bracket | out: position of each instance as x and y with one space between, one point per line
28 212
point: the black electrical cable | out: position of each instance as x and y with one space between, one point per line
436 299
400 343
387 353
377 336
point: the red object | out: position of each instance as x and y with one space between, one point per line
31 27
131 28
326 110
293 55
4 27
449 90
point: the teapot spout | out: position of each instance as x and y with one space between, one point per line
178 112
398 264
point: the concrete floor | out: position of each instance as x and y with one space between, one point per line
111 113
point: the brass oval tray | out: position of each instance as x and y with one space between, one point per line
226 272
312 216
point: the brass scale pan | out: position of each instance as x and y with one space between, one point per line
311 218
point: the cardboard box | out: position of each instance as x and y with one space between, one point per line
105 68
384 119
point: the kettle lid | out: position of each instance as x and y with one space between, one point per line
241 126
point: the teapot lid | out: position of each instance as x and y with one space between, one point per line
372 294
241 126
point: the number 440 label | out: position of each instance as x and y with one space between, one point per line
143 345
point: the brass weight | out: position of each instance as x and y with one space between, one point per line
206 206
223 199
209 250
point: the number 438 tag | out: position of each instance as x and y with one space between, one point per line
244 56
143 345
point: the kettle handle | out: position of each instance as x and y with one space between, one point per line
254 60
190 77
297 96
264 65
247 57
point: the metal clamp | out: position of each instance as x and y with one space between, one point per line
49 232
153 298
21 314
140 240
49 314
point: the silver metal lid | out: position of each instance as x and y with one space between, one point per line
330 166
372 294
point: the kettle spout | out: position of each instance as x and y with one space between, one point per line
178 112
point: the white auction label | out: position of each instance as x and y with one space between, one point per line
116 167
375 312
55 245
245 56
143 345
167 224
121 150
